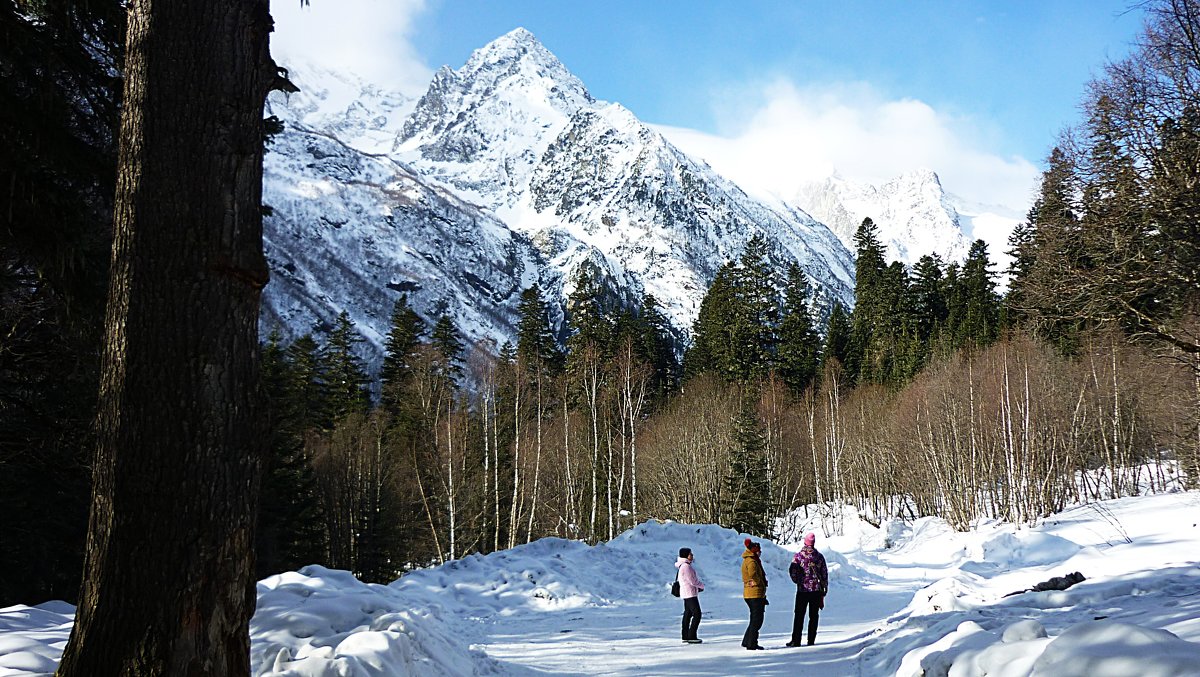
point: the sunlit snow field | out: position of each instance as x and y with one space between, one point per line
905 599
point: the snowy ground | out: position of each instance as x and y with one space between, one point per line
905 599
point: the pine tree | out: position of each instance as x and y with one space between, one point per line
747 489
535 340
837 336
799 345
289 534
979 303
399 352
755 322
345 376
712 333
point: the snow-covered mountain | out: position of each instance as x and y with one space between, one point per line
915 216
913 213
505 173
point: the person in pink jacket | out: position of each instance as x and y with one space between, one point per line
689 590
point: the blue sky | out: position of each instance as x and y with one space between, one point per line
976 90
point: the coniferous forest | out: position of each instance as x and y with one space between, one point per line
940 392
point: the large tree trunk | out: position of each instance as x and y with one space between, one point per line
168 586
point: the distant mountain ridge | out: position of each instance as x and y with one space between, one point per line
506 172
915 216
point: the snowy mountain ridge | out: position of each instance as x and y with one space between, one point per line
506 172
914 214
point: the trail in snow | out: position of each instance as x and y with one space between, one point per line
905 599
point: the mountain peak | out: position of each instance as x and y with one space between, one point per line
516 51
918 177
512 45
512 93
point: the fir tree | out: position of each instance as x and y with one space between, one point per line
345 376
1174 213
799 346
656 345
449 348
747 488
535 341
979 303
306 388
592 319
886 358
1021 244
289 534
869 311
928 301
755 322
946 341
399 352
712 333
837 336
60 85
508 353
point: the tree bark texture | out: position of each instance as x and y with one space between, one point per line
168 585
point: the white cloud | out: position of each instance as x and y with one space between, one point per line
369 38
783 135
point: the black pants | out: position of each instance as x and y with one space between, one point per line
811 601
691 617
757 607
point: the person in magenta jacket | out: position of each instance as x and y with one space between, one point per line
689 591
811 576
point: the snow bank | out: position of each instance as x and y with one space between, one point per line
906 598
1112 649
32 638
316 622
974 627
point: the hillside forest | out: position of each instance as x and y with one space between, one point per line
939 393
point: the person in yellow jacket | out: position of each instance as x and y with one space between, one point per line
754 590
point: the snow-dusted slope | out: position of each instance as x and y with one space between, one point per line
353 232
504 173
361 115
